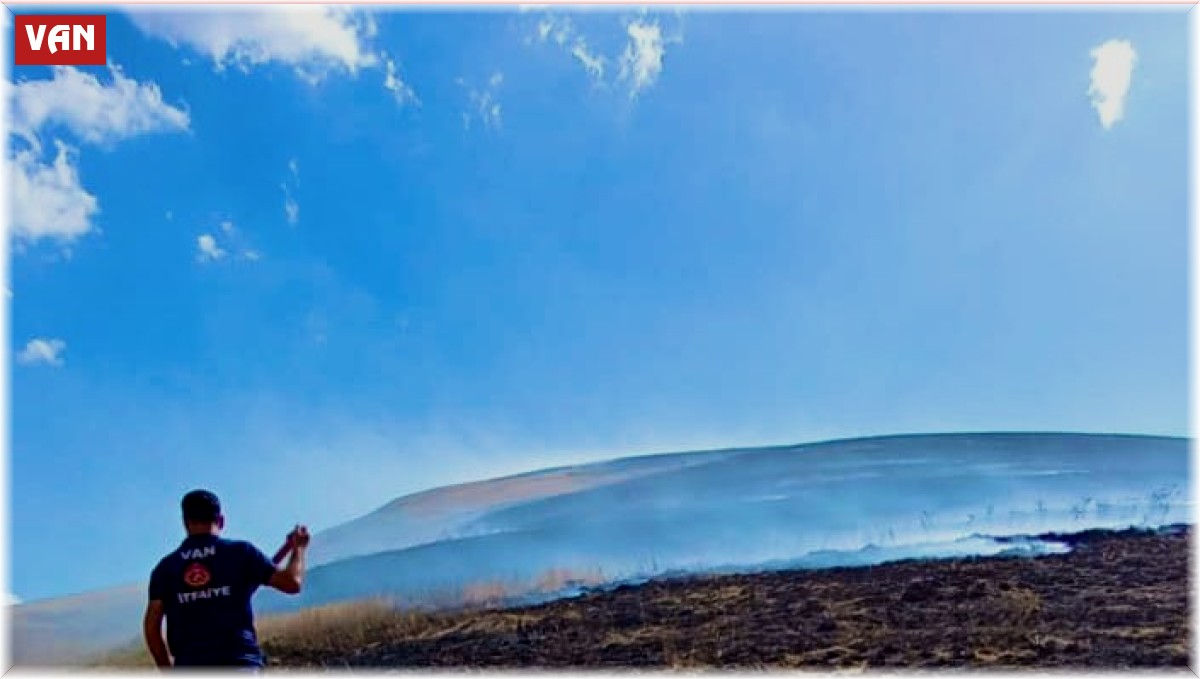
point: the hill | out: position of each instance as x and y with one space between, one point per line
546 534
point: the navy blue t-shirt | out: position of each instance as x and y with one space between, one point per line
206 586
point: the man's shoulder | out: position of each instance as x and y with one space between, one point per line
244 548
169 558
162 572
235 545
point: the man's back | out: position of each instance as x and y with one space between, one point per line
206 586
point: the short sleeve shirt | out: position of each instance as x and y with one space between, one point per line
206 586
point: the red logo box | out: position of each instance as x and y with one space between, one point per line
60 39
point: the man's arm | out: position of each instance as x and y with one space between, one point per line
152 630
290 578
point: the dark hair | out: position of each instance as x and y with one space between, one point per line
201 506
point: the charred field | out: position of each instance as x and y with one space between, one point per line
1118 599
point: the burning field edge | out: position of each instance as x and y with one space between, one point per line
1117 600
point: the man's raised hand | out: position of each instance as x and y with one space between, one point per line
299 537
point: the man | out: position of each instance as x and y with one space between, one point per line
203 590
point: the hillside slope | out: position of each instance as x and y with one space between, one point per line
847 501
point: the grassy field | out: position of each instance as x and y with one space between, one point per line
1117 601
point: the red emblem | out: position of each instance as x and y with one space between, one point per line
196 575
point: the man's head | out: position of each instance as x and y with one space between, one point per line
202 513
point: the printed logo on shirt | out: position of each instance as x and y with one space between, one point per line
196 576
198 553
210 593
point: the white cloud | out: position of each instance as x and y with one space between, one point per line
95 112
642 61
1112 74
312 39
47 199
484 103
545 26
291 209
592 63
210 247
393 83
639 65
209 251
558 29
42 352
49 202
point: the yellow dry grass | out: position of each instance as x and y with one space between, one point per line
340 628
336 628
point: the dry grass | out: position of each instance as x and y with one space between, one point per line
336 629
342 629
345 625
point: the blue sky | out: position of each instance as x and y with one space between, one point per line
317 262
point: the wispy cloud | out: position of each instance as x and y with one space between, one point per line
291 209
639 65
392 82
313 40
558 29
592 63
545 26
642 61
484 103
210 248
1112 74
207 249
42 351
562 32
